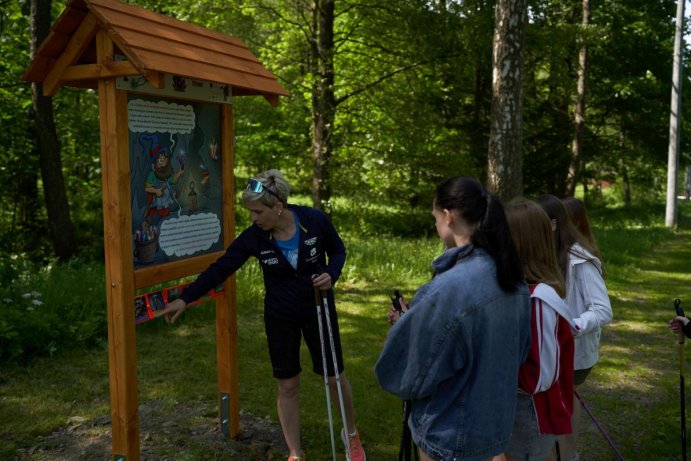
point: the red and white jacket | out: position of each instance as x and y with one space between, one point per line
547 373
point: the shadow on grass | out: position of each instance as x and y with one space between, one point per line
634 389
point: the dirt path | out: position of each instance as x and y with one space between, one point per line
190 432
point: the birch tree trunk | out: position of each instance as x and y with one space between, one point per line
675 121
505 154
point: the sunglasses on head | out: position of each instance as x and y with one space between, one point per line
257 187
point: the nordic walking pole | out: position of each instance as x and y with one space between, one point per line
403 454
407 446
317 300
680 312
406 438
325 304
604 433
404 450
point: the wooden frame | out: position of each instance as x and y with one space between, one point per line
91 45
122 279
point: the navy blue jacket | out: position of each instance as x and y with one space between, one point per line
289 292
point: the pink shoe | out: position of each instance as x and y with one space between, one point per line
356 451
297 458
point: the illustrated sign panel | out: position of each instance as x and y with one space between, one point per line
175 178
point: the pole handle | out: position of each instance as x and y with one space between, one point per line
680 313
317 296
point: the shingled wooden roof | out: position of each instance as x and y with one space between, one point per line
149 44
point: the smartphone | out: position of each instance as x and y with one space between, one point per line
677 308
396 300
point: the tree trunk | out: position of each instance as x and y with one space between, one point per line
505 153
627 183
624 173
61 229
675 121
579 110
323 100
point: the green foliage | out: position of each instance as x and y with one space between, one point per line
50 308
364 219
20 214
413 92
23 221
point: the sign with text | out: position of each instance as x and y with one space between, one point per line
175 178
177 87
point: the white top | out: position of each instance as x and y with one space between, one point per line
547 308
587 299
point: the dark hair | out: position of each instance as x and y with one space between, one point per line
579 218
468 197
566 234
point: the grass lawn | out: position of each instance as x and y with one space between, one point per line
633 392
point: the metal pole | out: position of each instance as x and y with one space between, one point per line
682 396
599 426
682 387
317 299
675 121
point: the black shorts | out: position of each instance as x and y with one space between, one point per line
284 336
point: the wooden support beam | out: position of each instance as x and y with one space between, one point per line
272 99
117 225
156 79
164 272
226 305
99 71
76 46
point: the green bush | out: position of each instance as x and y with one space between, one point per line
47 308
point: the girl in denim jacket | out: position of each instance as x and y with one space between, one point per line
456 353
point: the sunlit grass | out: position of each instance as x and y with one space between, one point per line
633 391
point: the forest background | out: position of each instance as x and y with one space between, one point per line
412 94
412 99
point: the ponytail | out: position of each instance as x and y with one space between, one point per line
468 197
494 236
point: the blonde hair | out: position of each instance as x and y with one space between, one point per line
531 231
273 181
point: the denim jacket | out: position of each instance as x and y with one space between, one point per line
456 354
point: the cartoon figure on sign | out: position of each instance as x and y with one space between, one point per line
161 194
192 197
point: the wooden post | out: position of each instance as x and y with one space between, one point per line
226 305
117 225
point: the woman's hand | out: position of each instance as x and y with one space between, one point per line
678 323
322 281
393 315
173 310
